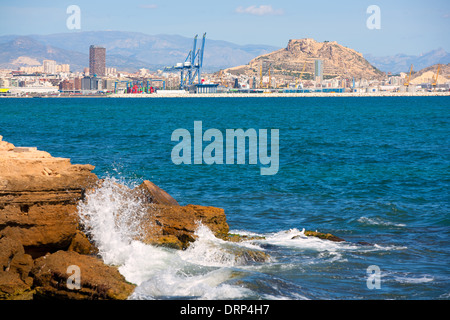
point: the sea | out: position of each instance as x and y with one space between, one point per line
374 171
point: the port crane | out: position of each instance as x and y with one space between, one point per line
192 65
407 83
301 76
435 78
261 76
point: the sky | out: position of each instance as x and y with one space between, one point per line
409 27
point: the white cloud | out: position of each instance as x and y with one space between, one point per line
262 10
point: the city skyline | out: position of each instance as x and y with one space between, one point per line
408 27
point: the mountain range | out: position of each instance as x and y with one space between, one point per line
402 62
127 51
130 51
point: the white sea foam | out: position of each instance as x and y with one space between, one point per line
297 239
414 280
388 247
379 222
174 283
208 250
209 268
112 219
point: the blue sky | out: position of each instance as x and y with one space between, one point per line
410 27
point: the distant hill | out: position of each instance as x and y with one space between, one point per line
337 61
402 63
130 51
26 51
427 74
23 51
127 50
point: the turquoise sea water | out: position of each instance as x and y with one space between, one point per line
373 171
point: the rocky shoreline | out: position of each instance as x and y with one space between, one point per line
42 234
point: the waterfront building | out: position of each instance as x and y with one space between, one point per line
77 83
318 70
49 66
64 68
111 72
97 61
91 84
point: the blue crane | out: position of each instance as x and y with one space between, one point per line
192 66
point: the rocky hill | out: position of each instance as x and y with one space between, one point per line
427 74
338 61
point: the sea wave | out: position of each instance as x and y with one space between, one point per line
379 222
414 280
210 268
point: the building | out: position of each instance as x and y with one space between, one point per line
49 66
4 82
64 68
91 84
111 71
206 88
77 83
109 84
67 85
318 70
97 61
33 69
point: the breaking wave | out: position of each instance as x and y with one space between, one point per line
210 268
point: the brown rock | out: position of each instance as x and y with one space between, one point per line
6 146
38 198
81 244
41 228
97 280
164 224
154 194
15 267
245 256
324 236
177 224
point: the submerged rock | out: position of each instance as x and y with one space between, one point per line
246 255
324 236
